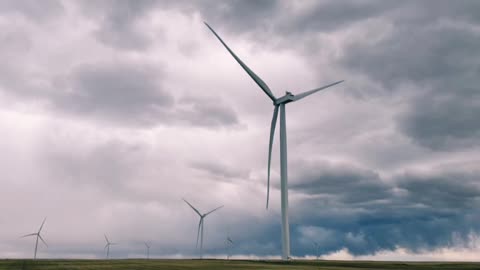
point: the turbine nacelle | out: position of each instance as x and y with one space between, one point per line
288 97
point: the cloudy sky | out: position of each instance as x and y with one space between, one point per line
111 112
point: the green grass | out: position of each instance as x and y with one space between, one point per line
222 264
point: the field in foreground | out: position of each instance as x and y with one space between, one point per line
222 264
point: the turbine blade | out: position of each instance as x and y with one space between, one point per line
198 231
307 93
213 210
106 239
42 240
252 75
194 209
105 246
272 133
41 226
26 235
229 240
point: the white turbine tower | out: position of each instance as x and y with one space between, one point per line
228 243
107 246
200 225
37 234
148 250
278 103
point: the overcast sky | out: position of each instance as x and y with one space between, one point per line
111 112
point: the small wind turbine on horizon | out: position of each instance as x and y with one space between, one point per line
200 225
278 103
228 243
148 250
107 246
38 236
317 247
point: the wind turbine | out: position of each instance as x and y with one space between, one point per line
107 246
317 246
200 225
148 249
228 243
278 103
37 234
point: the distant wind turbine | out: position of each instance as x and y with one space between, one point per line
228 243
277 103
148 250
317 247
200 225
37 234
107 246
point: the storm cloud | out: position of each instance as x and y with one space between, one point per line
113 111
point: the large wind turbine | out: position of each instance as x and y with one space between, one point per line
200 225
148 250
37 234
277 103
107 246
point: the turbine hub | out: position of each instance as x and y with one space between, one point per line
288 97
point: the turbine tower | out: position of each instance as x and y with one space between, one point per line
107 246
148 249
200 225
37 234
278 103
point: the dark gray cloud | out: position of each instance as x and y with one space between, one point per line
444 191
209 112
220 170
444 121
415 210
129 92
271 21
326 179
326 16
237 15
437 60
32 10
418 13
118 22
13 44
434 53
118 91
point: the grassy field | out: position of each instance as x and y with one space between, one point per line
221 264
